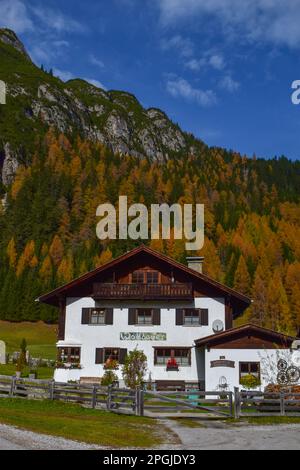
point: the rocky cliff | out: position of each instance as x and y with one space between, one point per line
37 100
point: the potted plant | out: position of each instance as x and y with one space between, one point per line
172 364
250 382
111 364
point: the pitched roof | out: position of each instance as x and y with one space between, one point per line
245 331
237 298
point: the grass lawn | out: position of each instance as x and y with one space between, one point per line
85 425
41 338
272 420
42 372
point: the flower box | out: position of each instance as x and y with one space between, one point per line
172 365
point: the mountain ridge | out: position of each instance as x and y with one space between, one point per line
37 100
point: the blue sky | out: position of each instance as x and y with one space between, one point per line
222 69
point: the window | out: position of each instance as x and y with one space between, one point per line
144 316
152 277
145 277
250 368
112 354
138 277
182 356
192 316
69 355
97 316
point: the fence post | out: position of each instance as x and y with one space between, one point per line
94 397
282 404
137 401
51 390
237 403
12 386
142 396
108 401
230 400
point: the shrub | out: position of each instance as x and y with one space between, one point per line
134 369
250 381
109 378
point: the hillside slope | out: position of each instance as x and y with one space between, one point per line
37 100
54 179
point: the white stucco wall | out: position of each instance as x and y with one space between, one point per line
92 337
267 358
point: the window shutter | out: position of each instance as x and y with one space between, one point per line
85 318
109 316
155 356
99 356
204 317
122 356
156 316
179 316
132 320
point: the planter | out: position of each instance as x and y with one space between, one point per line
173 368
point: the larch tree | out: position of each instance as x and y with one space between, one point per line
242 280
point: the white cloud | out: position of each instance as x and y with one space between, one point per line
228 84
94 82
95 61
179 87
183 45
275 21
217 61
57 21
14 15
64 75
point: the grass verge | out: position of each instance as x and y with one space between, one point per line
41 338
42 372
84 425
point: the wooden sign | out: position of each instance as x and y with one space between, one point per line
145 336
222 363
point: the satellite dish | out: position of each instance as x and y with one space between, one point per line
218 326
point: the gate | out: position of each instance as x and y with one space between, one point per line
200 403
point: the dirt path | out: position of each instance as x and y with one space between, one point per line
219 436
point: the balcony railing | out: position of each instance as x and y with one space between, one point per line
143 291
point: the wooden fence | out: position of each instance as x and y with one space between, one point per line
252 403
156 404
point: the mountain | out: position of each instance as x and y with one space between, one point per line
37 100
68 147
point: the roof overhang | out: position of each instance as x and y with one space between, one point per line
245 331
238 301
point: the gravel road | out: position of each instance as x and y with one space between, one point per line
221 436
214 436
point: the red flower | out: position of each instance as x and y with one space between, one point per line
172 362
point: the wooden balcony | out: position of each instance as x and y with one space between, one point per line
143 291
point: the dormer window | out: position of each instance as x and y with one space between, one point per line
145 277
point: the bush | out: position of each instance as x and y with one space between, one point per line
134 369
250 382
109 378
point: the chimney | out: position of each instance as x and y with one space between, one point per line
195 263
